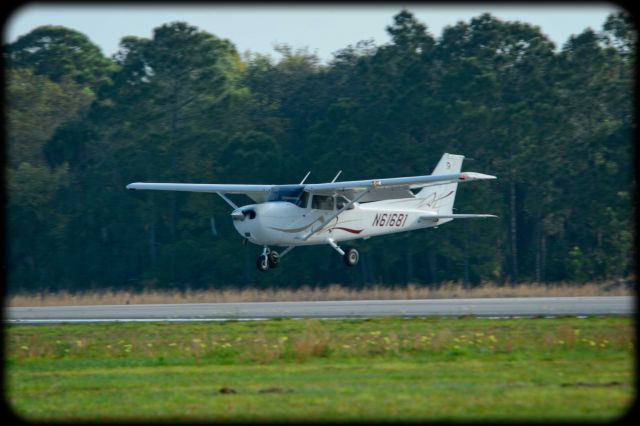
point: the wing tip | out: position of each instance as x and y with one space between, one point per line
476 176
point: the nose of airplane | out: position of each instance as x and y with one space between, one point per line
237 215
243 221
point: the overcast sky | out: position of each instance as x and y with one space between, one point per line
324 29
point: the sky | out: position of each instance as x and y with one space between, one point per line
323 29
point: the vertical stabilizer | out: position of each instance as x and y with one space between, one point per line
441 197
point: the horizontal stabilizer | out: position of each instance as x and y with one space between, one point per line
455 216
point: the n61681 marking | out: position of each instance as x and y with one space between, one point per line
390 219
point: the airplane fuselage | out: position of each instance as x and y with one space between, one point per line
283 223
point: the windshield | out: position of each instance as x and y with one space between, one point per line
290 193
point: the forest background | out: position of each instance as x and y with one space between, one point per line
555 125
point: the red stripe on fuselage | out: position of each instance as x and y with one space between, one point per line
353 231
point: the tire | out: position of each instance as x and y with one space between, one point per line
351 257
274 259
263 263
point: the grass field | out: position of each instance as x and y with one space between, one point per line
366 369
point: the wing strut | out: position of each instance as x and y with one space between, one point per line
305 177
224 197
332 216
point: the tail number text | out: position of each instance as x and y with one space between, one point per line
390 219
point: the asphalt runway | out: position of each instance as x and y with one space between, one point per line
489 307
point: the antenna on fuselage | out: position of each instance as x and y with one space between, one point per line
334 179
305 177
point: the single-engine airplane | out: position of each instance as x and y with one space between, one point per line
327 213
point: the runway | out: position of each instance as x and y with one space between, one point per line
485 307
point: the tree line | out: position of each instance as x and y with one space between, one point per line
554 124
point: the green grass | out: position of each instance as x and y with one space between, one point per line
376 369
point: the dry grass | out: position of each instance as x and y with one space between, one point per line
313 343
333 292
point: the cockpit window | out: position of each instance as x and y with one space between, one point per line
290 193
322 202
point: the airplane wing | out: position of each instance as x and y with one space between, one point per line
379 189
382 189
257 193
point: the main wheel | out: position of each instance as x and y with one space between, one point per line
351 257
274 259
262 263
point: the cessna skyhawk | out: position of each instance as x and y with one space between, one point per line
328 213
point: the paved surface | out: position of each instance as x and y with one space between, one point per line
494 307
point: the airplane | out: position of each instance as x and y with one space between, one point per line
328 213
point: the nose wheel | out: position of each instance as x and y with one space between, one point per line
263 263
269 259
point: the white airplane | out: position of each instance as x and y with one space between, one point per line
327 213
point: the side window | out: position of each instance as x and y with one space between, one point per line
322 202
341 202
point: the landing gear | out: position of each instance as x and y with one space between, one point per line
263 263
274 259
351 257
268 259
